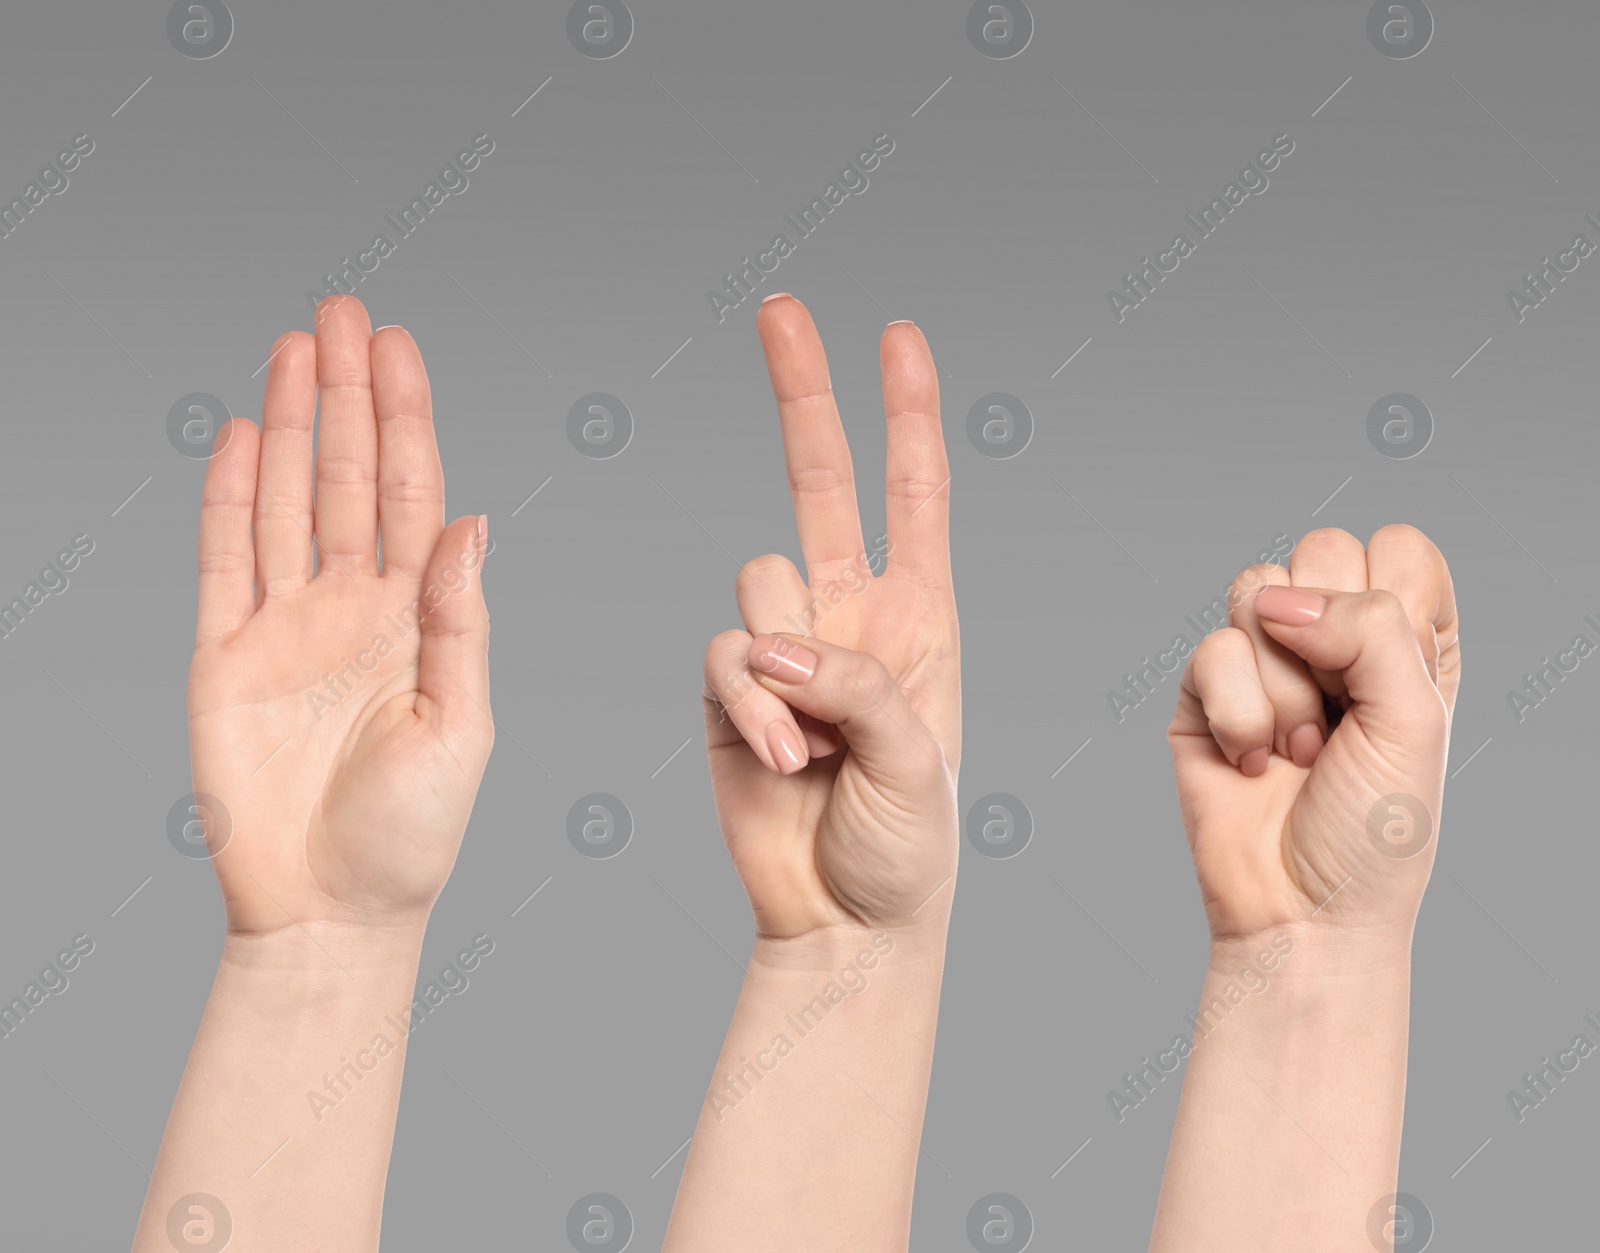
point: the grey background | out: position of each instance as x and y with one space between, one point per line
1173 447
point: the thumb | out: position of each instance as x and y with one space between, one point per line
855 692
1369 638
453 670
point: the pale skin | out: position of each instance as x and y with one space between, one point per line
342 805
339 715
833 728
1312 848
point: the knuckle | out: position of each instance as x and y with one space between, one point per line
1385 615
920 482
1221 645
1326 538
1253 721
918 490
725 647
284 512
726 680
345 468
225 562
821 480
760 573
1403 538
1327 546
1386 611
1251 580
411 487
868 677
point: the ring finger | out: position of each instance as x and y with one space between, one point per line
774 599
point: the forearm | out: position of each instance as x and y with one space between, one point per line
287 1107
809 1135
1288 1128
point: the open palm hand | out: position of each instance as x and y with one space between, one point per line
339 717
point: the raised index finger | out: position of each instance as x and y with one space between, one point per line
821 477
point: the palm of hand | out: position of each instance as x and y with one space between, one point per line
338 715
304 724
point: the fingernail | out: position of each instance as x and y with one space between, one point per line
787 752
783 659
775 295
1305 742
902 322
1254 762
1290 606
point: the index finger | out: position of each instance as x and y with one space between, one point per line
821 476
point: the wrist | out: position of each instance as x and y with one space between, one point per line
318 953
873 977
824 949
1305 976
1311 950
